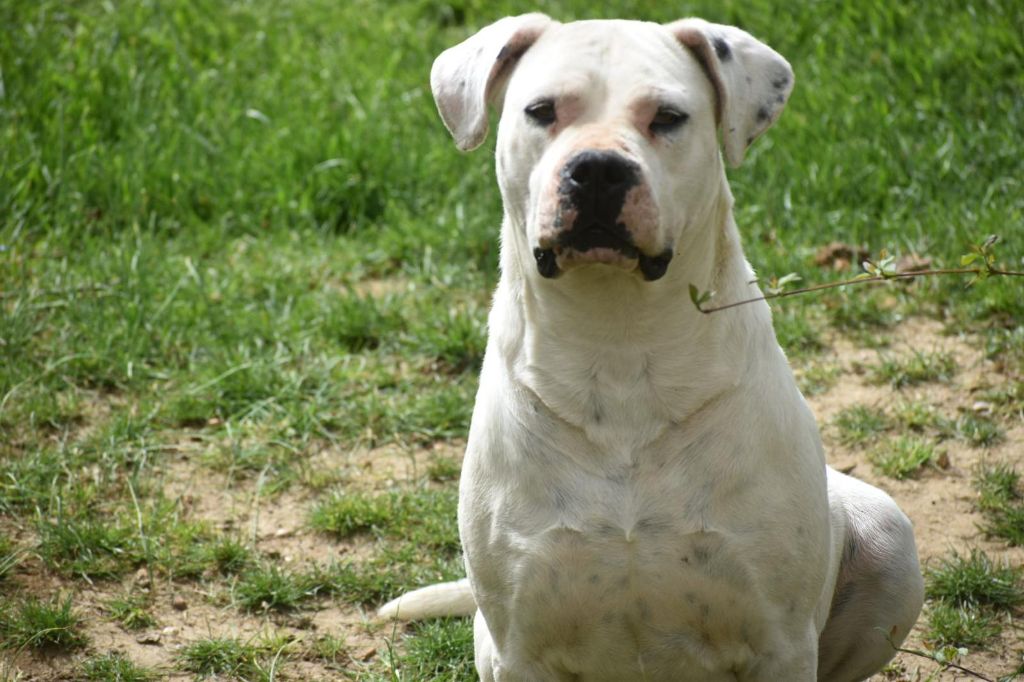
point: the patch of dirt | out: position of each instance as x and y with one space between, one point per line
940 501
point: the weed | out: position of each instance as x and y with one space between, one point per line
997 485
1006 522
115 668
975 580
426 517
960 625
391 572
87 546
916 415
40 625
1001 502
818 377
228 556
10 555
330 648
269 588
220 656
131 611
918 367
980 432
860 424
902 457
442 650
442 469
861 311
455 339
798 331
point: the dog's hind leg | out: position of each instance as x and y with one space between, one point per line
879 589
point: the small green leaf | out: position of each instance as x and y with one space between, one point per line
695 295
968 258
786 279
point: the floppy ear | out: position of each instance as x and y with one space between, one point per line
470 76
752 80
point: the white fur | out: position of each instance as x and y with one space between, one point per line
644 494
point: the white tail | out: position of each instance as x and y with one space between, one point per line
444 599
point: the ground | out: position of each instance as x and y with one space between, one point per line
939 496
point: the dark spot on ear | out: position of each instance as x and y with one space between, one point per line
750 140
763 114
780 100
732 130
780 83
722 49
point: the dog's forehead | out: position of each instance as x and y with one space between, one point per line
625 57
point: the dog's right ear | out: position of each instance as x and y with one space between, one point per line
468 77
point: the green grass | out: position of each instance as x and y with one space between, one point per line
960 626
918 416
221 656
10 555
270 588
235 235
975 579
860 424
424 517
32 623
978 431
443 468
1001 501
330 648
903 456
115 668
969 595
131 612
440 650
914 368
818 377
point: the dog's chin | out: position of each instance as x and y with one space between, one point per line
553 262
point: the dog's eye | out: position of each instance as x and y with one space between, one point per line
667 119
542 112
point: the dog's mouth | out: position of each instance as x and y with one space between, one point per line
599 244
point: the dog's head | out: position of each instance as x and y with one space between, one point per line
607 146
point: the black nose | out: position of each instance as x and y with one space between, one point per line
595 174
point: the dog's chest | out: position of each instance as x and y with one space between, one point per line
626 573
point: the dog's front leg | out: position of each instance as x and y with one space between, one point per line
797 663
491 667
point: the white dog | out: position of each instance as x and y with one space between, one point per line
644 494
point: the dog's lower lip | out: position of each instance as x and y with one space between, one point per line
654 267
547 265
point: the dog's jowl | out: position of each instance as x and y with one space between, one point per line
644 494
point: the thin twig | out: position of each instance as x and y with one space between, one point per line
944 664
862 280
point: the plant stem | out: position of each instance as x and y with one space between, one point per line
860 280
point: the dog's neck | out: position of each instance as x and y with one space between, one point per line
612 354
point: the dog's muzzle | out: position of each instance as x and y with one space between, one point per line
592 192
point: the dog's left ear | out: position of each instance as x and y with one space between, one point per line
752 80
465 79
